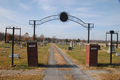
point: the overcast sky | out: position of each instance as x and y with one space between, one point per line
105 14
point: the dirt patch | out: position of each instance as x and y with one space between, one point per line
68 77
60 60
74 60
68 69
22 77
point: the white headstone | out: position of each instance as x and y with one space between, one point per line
14 56
80 44
117 54
113 49
71 44
4 52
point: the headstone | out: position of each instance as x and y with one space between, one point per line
24 45
18 44
80 45
71 44
39 43
113 49
21 51
44 44
99 47
16 41
7 41
7 47
4 52
14 56
60 43
69 48
117 54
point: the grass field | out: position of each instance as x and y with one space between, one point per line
5 62
103 56
103 61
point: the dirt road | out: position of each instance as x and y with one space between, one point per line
61 67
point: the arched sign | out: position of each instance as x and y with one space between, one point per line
63 16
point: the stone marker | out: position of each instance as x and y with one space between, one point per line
80 45
16 41
24 45
7 47
69 48
71 44
4 52
113 49
44 44
14 56
7 41
18 44
21 51
117 54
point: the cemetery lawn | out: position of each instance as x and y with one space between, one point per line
5 62
78 56
103 56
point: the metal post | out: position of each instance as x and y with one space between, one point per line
111 47
117 40
13 47
88 32
20 35
111 51
5 34
34 31
106 38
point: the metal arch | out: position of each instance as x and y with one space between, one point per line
44 20
56 17
79 21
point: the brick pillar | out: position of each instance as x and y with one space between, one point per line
32 53
91 54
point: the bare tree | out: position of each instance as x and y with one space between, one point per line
2 36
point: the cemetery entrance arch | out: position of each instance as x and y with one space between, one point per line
63 16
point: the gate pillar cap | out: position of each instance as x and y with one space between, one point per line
92 44
31 41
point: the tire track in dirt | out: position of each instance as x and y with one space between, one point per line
62 68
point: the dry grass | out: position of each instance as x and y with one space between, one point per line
60 60
22 77
68 77
21 63
103 62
